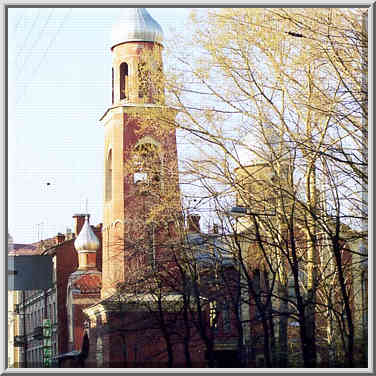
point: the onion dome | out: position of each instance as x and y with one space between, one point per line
136 25
86 240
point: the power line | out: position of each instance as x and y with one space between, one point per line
35 42
20 71
28 36
20 18
45 53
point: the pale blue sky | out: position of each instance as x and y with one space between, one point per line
59 86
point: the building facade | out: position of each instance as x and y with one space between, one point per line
34 306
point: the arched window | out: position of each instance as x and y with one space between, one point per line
108 188
147 164
99 352
123 80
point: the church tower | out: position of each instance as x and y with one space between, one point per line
140 156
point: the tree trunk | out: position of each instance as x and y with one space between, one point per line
282 333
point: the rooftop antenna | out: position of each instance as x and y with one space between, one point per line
39 231
83 203
86 205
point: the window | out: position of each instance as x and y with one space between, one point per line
213 314
144 81
123 81
98 320
27 323
99 352
108 188
146 163
226 318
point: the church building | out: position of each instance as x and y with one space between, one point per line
126 325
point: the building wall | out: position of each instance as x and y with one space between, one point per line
80 302
66 263
33 304
133 339
12 299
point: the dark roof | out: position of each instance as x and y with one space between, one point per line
18 246
24 249
36 248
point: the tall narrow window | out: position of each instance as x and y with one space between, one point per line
144 80
213 314
123 80
113 86
99 352
108 188
226 317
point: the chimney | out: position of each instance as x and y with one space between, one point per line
59 238
68 234
193 223
79 220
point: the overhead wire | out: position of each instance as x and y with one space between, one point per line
45 53
20 18
28 36
20 71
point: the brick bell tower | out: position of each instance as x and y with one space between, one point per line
140 155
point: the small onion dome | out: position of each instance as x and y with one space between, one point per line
86 240
136 25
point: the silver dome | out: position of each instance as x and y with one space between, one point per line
136 25
86 240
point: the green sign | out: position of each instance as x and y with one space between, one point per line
47 346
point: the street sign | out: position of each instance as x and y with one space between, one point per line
47 345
